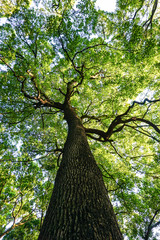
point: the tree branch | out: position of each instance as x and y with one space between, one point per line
97 45
150 226
119 120
148 122
140 103
39 101
145 133
22 222
98 132
149 21
116 150
138 10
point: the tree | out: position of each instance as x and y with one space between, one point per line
10 6
66 62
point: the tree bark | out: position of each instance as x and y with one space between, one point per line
79 208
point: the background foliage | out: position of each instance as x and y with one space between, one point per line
115 59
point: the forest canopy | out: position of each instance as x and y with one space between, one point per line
107 64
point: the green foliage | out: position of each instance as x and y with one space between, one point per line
114 59
8 7
24 232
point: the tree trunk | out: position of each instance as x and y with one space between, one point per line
79 208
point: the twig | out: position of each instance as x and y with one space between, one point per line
116 150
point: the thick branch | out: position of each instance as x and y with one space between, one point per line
120 121
148 122
39 101
150 226
155 225
140 103
98 132
149 21
69 92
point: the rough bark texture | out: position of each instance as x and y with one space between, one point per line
79 208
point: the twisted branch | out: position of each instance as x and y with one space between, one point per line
119 120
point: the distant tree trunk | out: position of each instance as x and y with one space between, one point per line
79 208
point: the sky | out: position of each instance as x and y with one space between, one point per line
107 5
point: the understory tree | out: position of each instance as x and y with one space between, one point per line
79 111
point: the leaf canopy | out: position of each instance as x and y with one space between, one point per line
113 62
